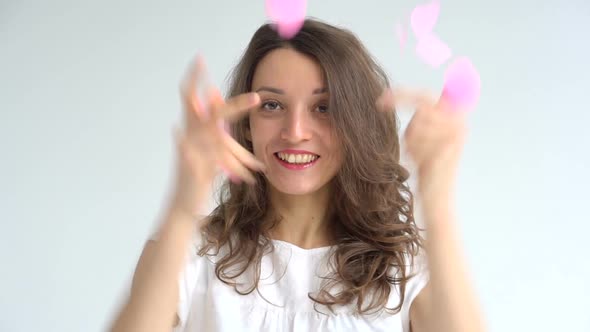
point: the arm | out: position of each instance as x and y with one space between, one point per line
153 301
434 140
203 147
448 302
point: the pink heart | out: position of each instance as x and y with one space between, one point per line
432 50
288 15
462 84
423 18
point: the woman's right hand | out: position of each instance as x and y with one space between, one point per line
203 145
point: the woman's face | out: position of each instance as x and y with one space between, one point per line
291 131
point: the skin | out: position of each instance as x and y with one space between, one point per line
294 114
203 150
434 140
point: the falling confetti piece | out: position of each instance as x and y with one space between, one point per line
433 51
288 15
423 18
429 48
462 84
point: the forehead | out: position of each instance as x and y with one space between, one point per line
288 69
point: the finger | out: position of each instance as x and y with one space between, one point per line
242 154
413 98
418 99
429 127
193 106
233 178
228 162
188 85
238 106
215 103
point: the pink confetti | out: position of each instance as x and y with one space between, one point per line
288 15
423 18
432 50
462 84
401 34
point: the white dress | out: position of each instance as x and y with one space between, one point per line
288 274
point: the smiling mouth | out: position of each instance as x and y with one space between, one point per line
296 162
303 158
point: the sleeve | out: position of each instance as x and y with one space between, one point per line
419 279
187 279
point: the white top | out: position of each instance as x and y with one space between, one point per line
288 274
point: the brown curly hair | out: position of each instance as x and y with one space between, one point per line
372 204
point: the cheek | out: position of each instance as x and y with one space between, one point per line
338 158
334 144
260 135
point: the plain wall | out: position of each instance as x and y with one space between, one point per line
89 96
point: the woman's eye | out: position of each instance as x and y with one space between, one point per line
323 109
271 105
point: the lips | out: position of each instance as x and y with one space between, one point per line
293 151
294 159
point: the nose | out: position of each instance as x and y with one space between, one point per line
297 125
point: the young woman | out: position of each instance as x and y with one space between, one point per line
315 231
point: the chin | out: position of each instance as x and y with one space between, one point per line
296 188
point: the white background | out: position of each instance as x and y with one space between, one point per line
89 95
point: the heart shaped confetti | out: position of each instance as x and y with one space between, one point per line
462 84
423 18
288 16
432 50
429 47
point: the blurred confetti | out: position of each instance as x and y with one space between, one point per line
288 15
462 84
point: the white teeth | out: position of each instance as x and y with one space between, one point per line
297 158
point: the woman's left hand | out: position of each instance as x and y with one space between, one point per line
434 140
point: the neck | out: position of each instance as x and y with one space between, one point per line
304 219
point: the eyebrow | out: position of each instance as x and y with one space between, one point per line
282 92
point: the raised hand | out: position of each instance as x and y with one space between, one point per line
434 139
203 145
